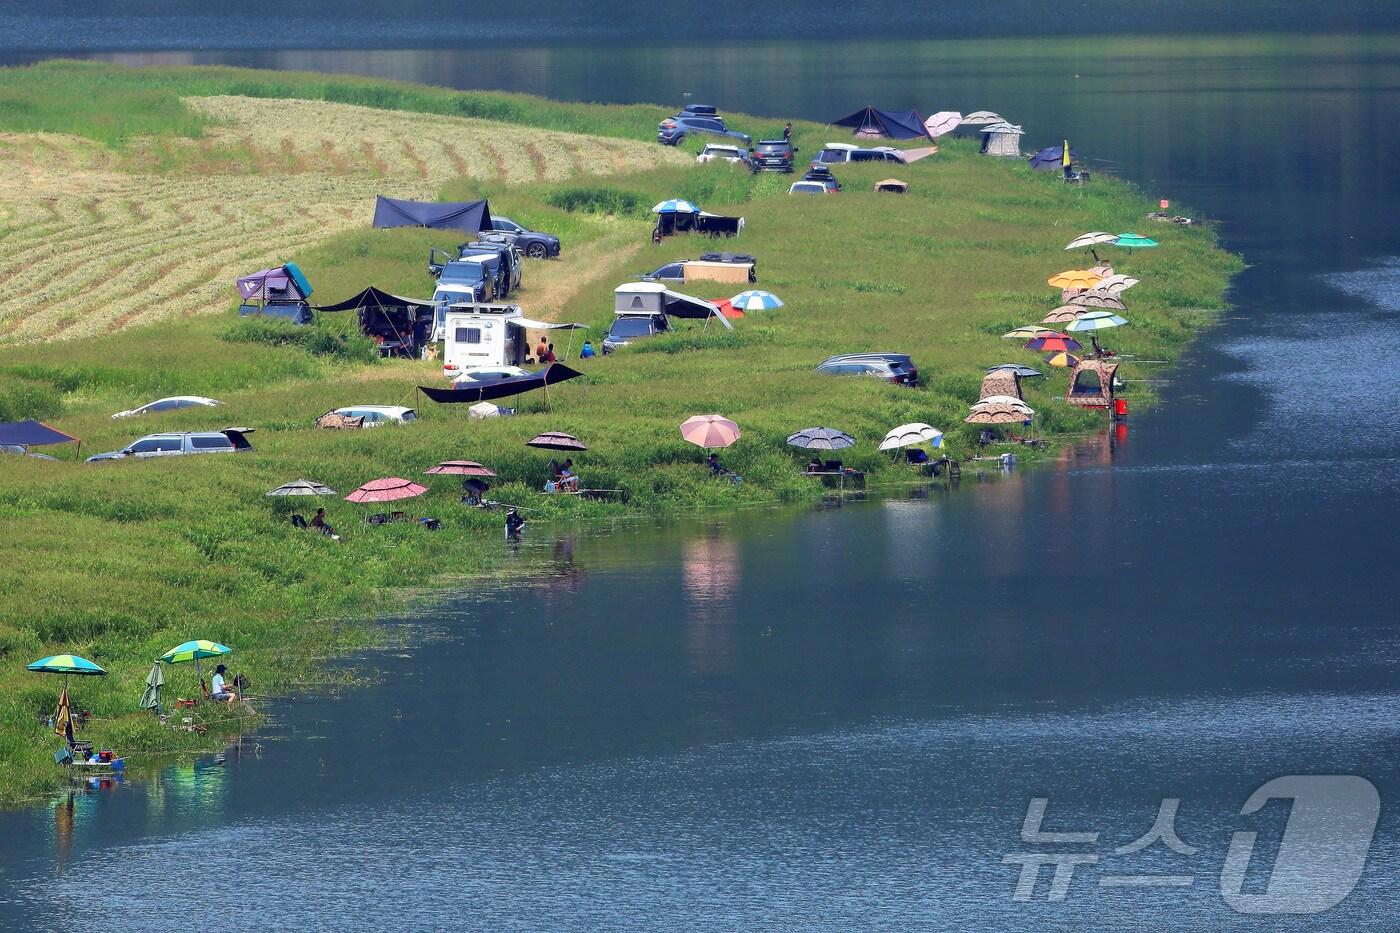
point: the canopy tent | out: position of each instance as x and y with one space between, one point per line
1091 384
680 220
468 216
31 433
280 283
399 325
1001 382
1051 158
1002 139
501 388
655 298
869 122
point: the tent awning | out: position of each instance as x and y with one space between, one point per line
501 388
547 325
375 298
468 216
895 124
31 433
687 306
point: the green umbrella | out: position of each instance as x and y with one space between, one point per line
1134 241
150 697
65 664
194 651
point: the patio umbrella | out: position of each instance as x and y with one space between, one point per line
388 489
459 468
1063 360
150 697
907 435
821 439
65 664
1074 278
1025 372
675 206
942 122
555 440
302 487
999 409
1118 282
755 300
710 431
1091 240
1098 299
1027 332
1133 241
1062 315
1096 320
1053 342
484 410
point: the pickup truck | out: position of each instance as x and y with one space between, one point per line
227 441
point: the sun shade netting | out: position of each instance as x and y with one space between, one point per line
501 388
375 298
31 433
895 124
469 216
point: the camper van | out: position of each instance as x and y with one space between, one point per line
487 335
643 309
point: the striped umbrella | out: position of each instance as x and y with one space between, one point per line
756 300
1095 320
195 651
710 431
1063 360
65 664
1028 332
675 206
1053 342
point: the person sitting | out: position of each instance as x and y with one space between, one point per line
568 479
587 353
716 468
541 350
318 522
916 455
549 356
219 688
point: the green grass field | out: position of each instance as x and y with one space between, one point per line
120 561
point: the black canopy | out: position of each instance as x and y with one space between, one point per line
894 124
469 216
31 433
501 388
375 298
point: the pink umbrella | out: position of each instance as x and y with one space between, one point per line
389 489
710 431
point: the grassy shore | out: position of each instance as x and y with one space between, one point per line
137 183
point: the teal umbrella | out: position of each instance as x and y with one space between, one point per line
65 664
1133 241
195 651
1095 320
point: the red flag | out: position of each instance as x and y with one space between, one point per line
1164 204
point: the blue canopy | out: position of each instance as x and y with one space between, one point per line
469 216
1052 157
31 433
893 124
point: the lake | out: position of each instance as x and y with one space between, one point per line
838 718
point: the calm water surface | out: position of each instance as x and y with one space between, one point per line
835 718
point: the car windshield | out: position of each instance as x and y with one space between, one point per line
409 415
462 272
631 327
773 148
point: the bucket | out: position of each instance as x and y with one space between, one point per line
1120 408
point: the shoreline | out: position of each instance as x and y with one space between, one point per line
210 532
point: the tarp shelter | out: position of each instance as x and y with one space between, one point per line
469 216
1091 384
501 388
1051 158
280 283
870 123
401 326
31 433
892 185
672 222
655 298
1002 139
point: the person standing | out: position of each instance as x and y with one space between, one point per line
787 132
514 524
541 350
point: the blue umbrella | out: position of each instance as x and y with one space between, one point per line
675 206
756 300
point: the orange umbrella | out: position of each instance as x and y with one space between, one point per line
710 431
1075 278
389 489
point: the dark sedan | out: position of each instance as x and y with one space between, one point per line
532 243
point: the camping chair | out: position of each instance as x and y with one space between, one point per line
915 456
432 524
298 521
832 466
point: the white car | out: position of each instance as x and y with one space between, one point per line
808 187
376 415
838 153
170 404
478 374
732 154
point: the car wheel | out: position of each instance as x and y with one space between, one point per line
536 251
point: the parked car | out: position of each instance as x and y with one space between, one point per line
809 187
822 175
169 404
840 153
897 368
715 267
376 415
532 243
714 152
629 327
227 441
674 129
480 374
508 256
699 110
773 155
461 280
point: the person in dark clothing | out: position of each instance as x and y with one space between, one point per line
514 524
815 466
320 524
787 132
549 356
715 466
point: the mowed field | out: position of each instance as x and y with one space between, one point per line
93 239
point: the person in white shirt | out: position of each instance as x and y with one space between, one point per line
218 687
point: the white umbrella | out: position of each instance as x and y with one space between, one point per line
755 300
679 206
908 434
1115 283
943 122
1096 320
1092 239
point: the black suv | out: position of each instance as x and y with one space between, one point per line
773 155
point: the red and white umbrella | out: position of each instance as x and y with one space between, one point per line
710 431
459 468
388 489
